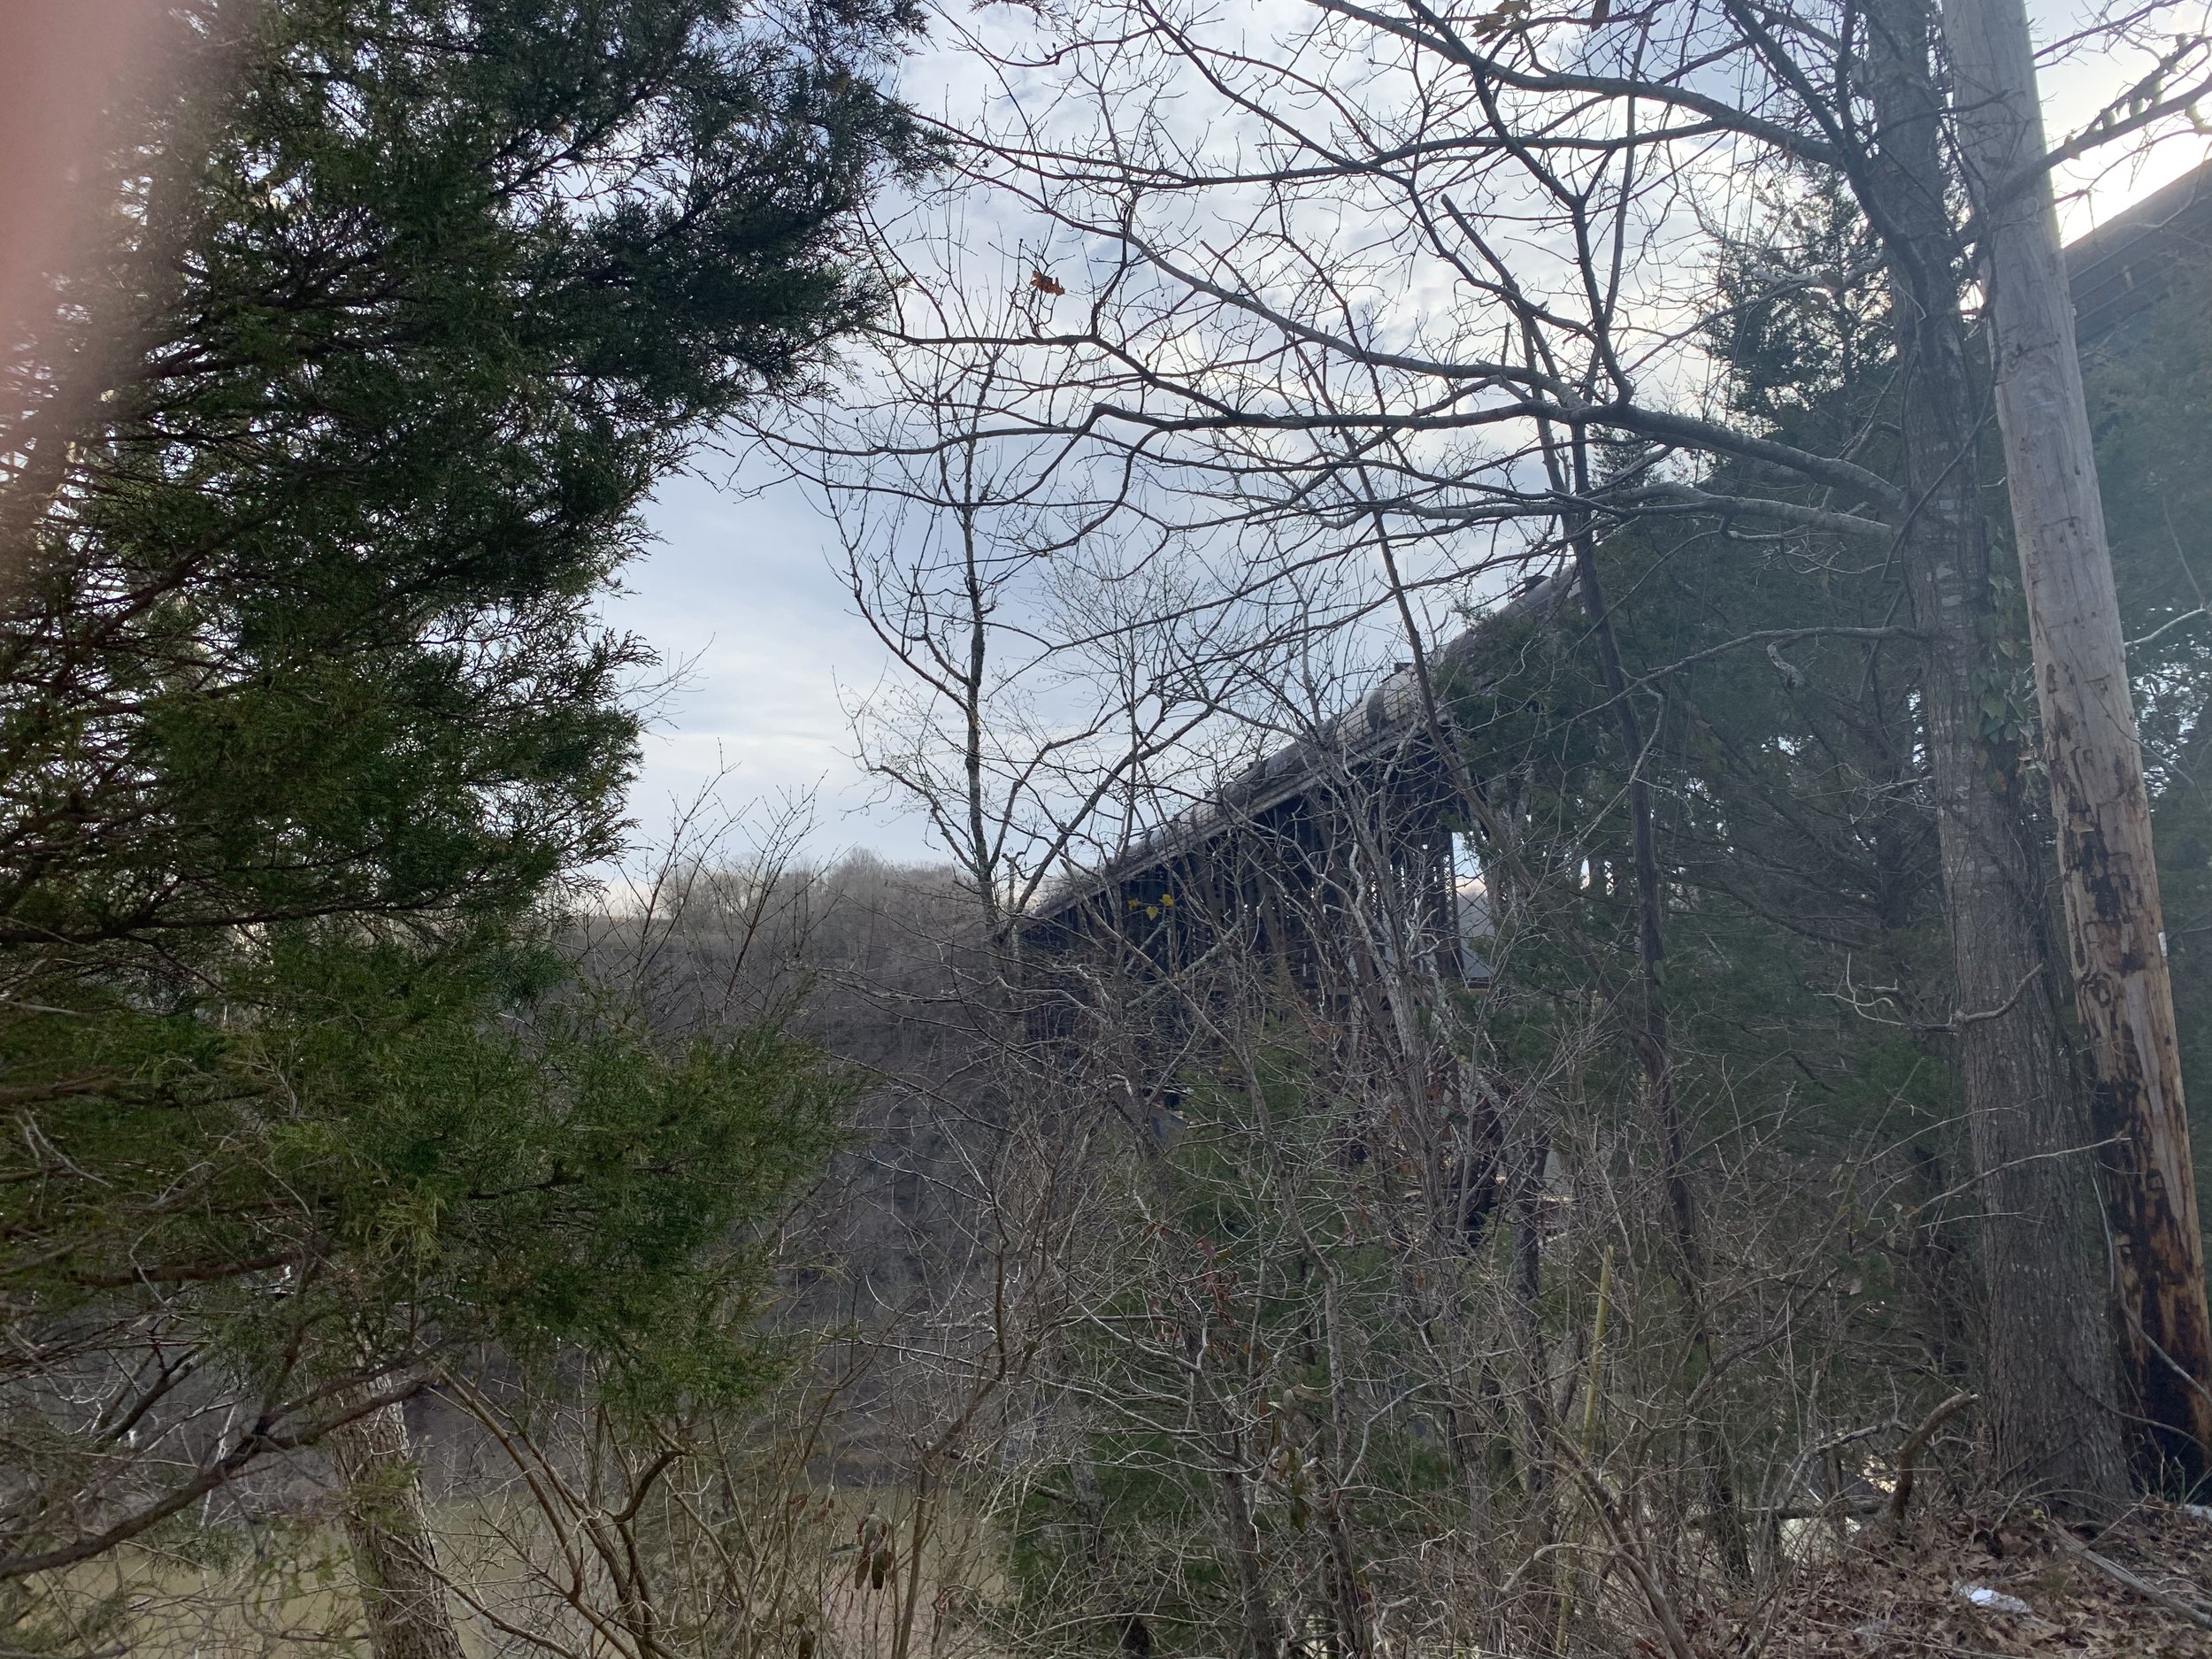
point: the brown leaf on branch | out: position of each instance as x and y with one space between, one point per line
1511 17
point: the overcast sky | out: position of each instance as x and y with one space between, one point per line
739 590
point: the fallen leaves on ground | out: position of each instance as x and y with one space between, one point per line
1879 1596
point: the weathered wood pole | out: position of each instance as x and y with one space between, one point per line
2050 1356
2114 922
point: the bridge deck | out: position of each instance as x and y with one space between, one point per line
2118 272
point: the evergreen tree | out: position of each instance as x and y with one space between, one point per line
307 721
1807 969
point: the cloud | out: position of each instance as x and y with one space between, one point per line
735 591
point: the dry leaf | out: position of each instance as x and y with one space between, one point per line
1510 18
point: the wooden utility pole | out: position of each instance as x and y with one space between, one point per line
2114 922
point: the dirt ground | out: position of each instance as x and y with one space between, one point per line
1881 1595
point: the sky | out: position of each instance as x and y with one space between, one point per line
738 596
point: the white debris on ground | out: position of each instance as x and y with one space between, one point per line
1992 1601
2001 1583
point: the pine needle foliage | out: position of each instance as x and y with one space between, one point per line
313 474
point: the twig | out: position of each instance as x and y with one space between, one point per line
2118 1574
1908 1454
1961 1018
1565 1578
1617 1533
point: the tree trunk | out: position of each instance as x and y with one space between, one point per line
2051 1370
2114 923
1263 1630
1652 1041
395 1555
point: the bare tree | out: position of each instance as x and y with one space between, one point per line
1438 281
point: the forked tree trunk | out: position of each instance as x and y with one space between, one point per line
2114 923
2051 1370
395 1555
